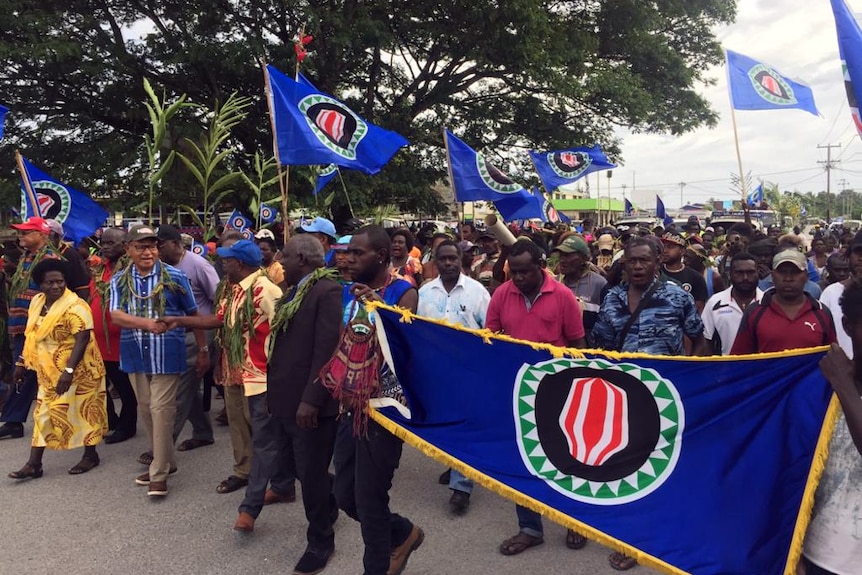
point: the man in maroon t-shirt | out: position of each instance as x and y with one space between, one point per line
786 317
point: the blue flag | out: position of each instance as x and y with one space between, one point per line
563 167
629 208
199 248
314 128
78 213
267 214
238 221
758 86
850 50
660 212
3 111
521 206
755 196
474 177
324 176
686 473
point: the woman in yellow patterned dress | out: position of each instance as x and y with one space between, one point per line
59 346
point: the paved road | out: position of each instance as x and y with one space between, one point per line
101 522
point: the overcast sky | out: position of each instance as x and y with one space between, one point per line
798 38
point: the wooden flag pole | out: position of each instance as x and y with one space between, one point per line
452 180
28 187
283 177
346 195
742 182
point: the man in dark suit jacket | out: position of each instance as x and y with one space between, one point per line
305 410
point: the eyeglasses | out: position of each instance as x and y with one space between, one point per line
145 248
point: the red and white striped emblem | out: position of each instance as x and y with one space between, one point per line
771 85
594 420
332 123
570 159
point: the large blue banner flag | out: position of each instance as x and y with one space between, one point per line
78 213
314 128
629 209
850 50
686 473
474 177
563 167
755 85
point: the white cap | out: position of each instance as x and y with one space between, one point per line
265 234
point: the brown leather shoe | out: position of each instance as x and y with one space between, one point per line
400 555
271 497
144 478
158 489
244 523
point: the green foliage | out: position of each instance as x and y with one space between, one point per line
262 167
506 75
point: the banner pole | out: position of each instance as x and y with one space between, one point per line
283 177
28 188
346 195
742 182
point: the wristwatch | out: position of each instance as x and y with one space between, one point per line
69 370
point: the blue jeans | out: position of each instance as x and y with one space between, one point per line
271 461
458 482
22 395
529 521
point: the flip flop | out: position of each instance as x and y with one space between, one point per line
575 540
519 543
622 562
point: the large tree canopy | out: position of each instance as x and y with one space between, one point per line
501 73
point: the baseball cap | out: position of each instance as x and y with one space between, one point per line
343 243
794 257
265 234
245 251
605 242
33 224
55 226
485 234
466 245
168 233
319 225
141 232
573 244
674 239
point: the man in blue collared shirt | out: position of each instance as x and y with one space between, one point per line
153 356
458 299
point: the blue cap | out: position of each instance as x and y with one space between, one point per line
320 225
245 251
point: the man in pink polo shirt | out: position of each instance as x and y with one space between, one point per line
533 306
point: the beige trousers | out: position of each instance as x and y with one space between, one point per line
157 409
239 425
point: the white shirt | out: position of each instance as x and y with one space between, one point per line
723 315
465 305
834 538
831 298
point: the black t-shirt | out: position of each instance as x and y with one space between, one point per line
79 275
690 281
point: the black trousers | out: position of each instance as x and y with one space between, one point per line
364 467
127 421
812 569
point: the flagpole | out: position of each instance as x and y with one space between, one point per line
742 185
28 187
283 177
346 195
452 179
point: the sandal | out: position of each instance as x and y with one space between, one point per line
190 444
86 464
29 470
575 540
519 543
145 458
622 562
231 484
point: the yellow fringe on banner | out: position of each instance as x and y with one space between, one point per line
818 464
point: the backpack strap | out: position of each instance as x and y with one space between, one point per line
757 314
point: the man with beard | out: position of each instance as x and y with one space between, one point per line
676 271
365 463
112 249
787 317
576 275
461 300
724 310
831 296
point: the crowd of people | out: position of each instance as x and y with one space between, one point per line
137 317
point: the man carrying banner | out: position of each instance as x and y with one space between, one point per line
533 306
724 310
365 464
461 300
646 315
831 543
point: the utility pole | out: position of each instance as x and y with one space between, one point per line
681 202
842 185
829 168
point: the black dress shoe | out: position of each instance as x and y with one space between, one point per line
11 430
444 477
312 562
459 502
118 437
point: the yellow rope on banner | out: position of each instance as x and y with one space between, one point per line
818 464
821 454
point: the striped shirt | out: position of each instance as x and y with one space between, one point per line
140 350
18 308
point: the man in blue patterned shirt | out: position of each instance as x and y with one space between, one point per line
667 314
153 356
